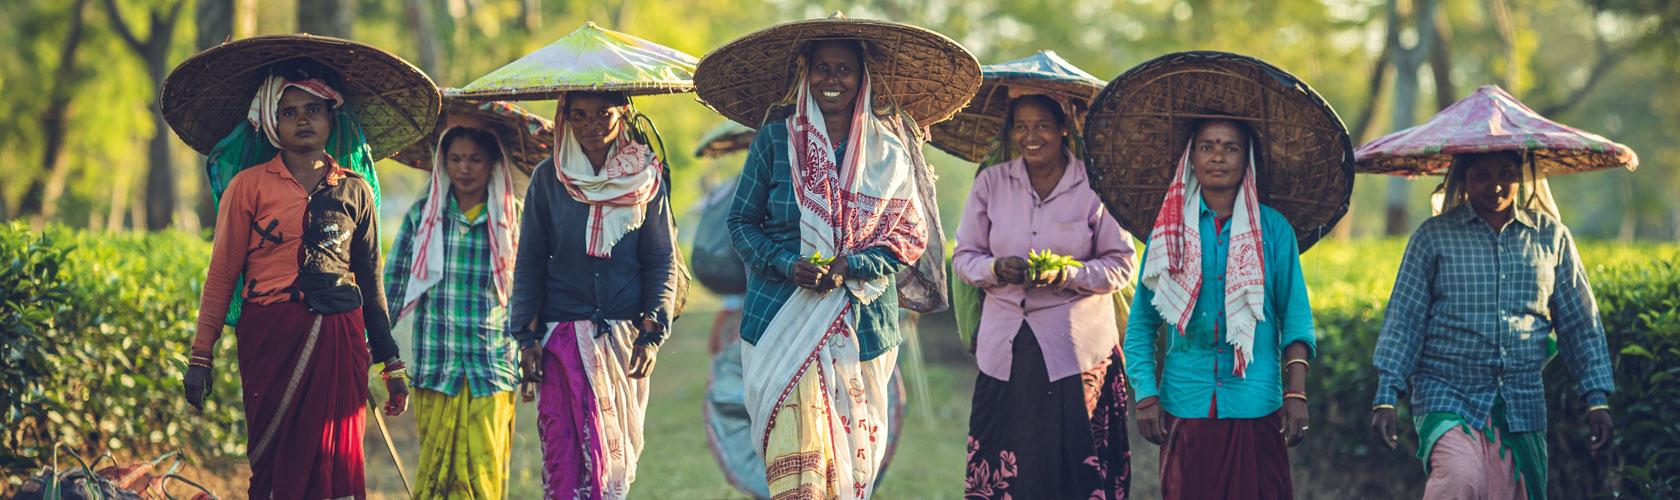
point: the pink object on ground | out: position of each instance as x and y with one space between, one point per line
1466 465
1488 120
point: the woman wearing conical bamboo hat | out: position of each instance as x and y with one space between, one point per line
832 215
598 279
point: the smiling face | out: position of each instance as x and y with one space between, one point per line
303 121
834 73
1219 156
468 165
595 119
1490 182
1038 130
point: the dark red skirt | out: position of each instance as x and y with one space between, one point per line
305 386
1232 458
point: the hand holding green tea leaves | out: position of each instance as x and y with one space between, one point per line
1048 268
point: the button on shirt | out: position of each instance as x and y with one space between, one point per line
1073 323
459 325
1197 372
1470 314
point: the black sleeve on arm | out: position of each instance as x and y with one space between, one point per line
530 264
658 259
366 265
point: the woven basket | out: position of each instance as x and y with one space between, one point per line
528 138
926 74
1140 125
205 97
969 134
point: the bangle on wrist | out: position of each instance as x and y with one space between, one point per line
1382 407
1148 403
1301 395
1303 362
1598 407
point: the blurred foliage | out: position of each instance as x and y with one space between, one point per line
104 322
1334 45
1638 293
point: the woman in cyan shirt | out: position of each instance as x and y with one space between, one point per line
1049 417
1223 273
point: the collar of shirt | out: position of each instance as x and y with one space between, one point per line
454 211
1208 216
1467 215
277 166
1072 177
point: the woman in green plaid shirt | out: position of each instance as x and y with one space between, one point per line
452 265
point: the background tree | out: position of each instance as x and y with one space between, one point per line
160 200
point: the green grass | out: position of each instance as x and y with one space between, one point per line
676 462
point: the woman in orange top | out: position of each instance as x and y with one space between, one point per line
303 232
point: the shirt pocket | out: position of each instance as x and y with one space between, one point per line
1071 238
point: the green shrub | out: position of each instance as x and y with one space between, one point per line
1638 292
105 369
31 296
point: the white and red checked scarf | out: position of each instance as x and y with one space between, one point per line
265 106
1174 267
428 261
869 199
618 195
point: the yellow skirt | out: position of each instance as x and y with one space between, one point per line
802 446
465 444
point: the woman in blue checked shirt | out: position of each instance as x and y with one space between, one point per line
452 264
1480 288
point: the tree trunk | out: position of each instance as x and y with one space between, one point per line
530 15
160 200
326 17
40 199
215 26
1440 63
245 18
215 22
424 25
160 176
1407 62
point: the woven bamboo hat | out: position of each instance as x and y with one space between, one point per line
1489 120
592 59
969 134
209 94
928 75
1140 125
727 137
526 136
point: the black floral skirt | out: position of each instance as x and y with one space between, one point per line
1030 438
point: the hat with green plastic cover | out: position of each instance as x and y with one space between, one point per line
592 59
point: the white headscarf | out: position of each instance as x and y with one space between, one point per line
1174 266
618 195
428 262
265 106
1534 193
